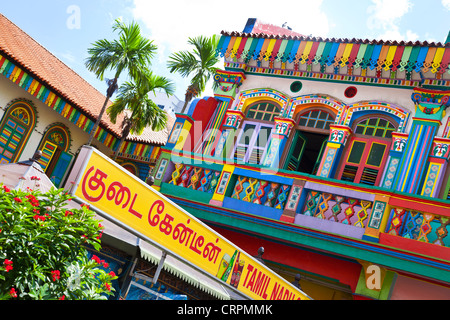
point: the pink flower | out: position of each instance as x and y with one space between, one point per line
108 287
112 274
6 189
63 297
17 200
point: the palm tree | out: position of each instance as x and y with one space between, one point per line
140 111
131 52
200 64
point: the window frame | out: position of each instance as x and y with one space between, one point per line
285 159
259 123
369 142
251 145
25 136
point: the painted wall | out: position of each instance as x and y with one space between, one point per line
407 288
397 96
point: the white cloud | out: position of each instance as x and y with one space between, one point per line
385 16
170 24
173 24
446 4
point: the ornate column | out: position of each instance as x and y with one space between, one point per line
232 121
180 132
395 155
437 165
338 138
430 109
278 140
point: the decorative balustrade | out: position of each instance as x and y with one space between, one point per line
195 178
419 226
269 194
337 208
310 203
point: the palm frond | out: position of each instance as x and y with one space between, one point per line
131 52
199 63
133 98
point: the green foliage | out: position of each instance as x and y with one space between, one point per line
199 63
133 98
43 248
132 52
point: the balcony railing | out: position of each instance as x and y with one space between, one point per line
420 226
266 193
337 208
195 178
308 201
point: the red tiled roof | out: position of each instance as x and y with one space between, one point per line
43 65
159 137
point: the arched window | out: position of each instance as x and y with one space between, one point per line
55 158
255 133
304 150
367 151
131 168
15 128
266 111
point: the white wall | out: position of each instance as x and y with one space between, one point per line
400 97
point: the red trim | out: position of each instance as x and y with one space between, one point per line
346 272
414 246
364 157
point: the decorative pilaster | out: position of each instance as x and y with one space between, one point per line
278 140
228 84
180 132
294 201
430 109
395 155
437 165
232 121
338 138
378 218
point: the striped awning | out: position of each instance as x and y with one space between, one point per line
379 55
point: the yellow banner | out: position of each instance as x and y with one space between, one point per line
112 190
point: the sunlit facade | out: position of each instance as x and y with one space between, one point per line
332 154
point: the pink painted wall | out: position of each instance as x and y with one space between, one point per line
407 288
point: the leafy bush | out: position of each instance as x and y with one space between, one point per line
43 253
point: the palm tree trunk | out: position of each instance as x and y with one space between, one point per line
109 94
185 105
125 132
116 154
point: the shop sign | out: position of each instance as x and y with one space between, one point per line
112 191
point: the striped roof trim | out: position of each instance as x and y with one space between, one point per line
379 55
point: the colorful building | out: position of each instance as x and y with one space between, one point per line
331 154
45 105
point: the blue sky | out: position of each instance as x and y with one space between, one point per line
68 27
